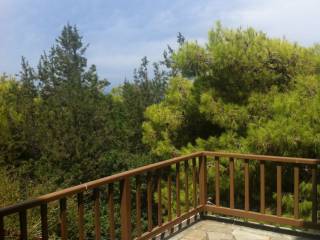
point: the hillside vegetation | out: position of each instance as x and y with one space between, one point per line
242 91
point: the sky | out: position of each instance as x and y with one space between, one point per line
121 32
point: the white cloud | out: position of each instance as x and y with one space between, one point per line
297 20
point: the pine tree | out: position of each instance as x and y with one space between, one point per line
74 112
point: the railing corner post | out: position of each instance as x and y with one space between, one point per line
203 180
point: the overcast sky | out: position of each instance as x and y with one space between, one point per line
121 32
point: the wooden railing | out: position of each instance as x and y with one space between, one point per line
261 161
149 181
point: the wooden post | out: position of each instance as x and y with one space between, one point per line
279 190
246 186
186 172
203 180
111 212
231 168
23 225
296 192
138 206
149 201
44 221
125 209
169 196
97 227
194 182
178 189
262 188
2 234
63 218
159 199
217 182
314 194
81 216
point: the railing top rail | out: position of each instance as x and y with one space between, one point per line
263 157
151 167
92 184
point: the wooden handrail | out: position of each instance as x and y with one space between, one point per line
93 184
116 177
263 157
199 184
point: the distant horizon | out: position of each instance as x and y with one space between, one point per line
120 34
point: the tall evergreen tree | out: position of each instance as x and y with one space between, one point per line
74 113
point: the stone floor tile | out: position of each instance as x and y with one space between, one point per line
195 234
240 234
220 236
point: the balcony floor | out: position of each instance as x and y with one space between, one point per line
216 230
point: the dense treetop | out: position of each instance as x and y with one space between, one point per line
242 91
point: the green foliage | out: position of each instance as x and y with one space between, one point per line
17 111
58 117
240 92
236 63
290 129
166 121
131 100
247 93
58 126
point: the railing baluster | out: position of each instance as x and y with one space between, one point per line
186 172
314 194
279 190
178 188
194 182
159 199
138 205
246 186
23 224
217 180
80 215
44 221
169 196
149 200
111 212
63 218
262 188
231 168
97 227
2 231
296 192
203 180
125 209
